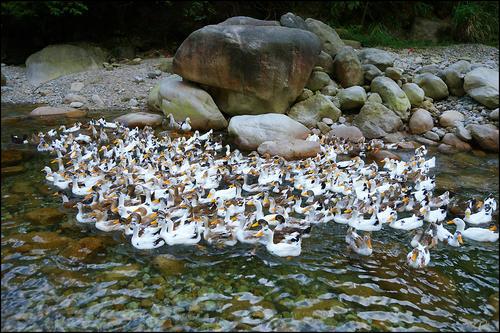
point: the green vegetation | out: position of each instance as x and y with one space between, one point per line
165 24
378 35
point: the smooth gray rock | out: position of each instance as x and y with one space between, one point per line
330 40
251 131
448 118
380 58
313 109
432 85
352 98
392 95
414 93
140 119
317 80
421 121
454 75
370 72
291 20
482 85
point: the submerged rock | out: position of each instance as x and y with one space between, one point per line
45 215
167 265
57 111
140 119
84 247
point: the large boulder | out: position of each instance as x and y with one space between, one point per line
352 98
249 69
245 20
347 68
432 85
454 75
376 121
57 60
392 95
250 131
485 136
380 58
291 20
183 99
330 40
313 109
482 85
140 119
290 149
421 121
414 93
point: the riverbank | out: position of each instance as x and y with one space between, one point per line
125 84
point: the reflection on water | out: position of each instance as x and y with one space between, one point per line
112 286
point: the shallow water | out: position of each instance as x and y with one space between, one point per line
117 287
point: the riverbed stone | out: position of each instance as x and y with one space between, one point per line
485 136
97 100
392 95
352 98
380 58
77 86
452 140
375 98
349 133
447 149
313 109
11 157
291 20
454 75
395 137
317 80
330 40
493 114
431 136
71 97
45 215
83 248
421 121
370 72
57 111
432 85
250 131
306 93
38 240
183 99
249 69
414 93
330 90
290 149
168 265
325 61
375 120
347 68
140 119
12 170
394 73
76 105
448 118
54 61
461 132
482 85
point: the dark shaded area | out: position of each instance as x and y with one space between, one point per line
31 25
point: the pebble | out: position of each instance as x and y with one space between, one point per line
329 122
97 100
76 86
133 102
462 133
76 104
341 120
138 79
431 136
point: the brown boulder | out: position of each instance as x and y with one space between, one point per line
290 149
249 69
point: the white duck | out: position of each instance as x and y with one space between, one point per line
360 245
474 233
290 246
419 257
408 223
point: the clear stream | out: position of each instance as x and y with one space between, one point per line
112 286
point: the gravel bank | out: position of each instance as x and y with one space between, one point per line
122 86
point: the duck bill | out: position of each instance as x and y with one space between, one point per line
414 256
259 234
460 240
450 222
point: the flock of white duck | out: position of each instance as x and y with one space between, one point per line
191 188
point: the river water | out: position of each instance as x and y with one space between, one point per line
113 286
